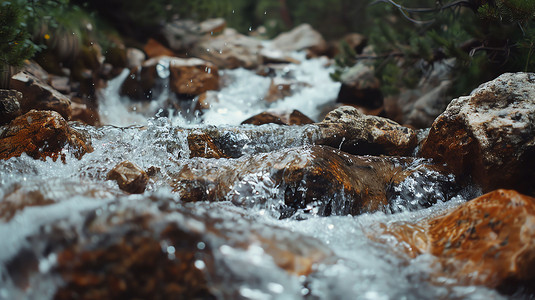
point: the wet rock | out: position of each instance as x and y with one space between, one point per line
489 135
294 117
350 130
281 88
9 105
314 180
229 50
202 145
275 56
153 48
192 76
129 177
300 38
181 35
39 95
360 87
40 134
84 113
487 241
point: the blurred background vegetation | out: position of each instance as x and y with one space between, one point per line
485 37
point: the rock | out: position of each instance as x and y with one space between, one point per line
202 145
9 105
213 26
487 241
60 84
277 117
229 50
300 38
134 58
360 87
39 95
315 180
355 41
350 130
281 88
489 135
40 134
192 76
129 177
154 48
170 251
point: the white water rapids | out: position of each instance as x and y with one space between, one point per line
357 267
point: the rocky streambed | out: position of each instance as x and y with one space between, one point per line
177 199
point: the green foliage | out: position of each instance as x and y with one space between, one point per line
487 40
15 43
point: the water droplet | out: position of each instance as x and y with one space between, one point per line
201 245
199 264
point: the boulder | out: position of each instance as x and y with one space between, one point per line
40 134
192 76
275 56
315 180
489 135
294 117
229 50
9 105
182 34
213 26
487 241
300 38
36 94
145 82
129 177
350 130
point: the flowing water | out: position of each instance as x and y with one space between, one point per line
243 246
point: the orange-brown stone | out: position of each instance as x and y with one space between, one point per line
41 134
192 76
129 177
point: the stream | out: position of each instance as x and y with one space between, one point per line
245 251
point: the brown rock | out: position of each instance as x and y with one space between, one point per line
350 130
141 82
489 134
154 49
318 180
283 118
41 134
275 56
84 113
487 241
129 177
202 145
9 105
192 76
229 50
39 95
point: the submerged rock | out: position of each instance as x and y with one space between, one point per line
40 134
318 180
487 241
489 135
350 130
129 177
202 145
